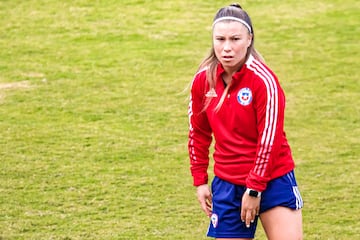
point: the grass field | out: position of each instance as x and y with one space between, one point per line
93 114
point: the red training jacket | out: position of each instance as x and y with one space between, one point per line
250 143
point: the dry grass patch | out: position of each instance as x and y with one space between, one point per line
14 85
11 86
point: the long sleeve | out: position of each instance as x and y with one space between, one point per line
269 104
200 134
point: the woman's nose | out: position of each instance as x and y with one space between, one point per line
227 46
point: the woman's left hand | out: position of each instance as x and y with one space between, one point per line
250 208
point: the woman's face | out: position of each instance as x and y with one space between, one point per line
230 41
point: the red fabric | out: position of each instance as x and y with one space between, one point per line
250 144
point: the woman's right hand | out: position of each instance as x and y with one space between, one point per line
205 198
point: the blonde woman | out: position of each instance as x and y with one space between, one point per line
237 100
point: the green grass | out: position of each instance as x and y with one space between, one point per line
93 114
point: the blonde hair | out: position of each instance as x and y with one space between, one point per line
211 62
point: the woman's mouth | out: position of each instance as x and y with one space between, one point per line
227 58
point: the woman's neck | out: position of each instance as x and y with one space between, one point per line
226 77
229 72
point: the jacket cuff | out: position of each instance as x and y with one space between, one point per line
200 180
256 182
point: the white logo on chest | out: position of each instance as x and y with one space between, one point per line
244 96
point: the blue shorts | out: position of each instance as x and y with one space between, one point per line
225 221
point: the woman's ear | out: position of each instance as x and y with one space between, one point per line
250 39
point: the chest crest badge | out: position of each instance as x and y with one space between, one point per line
244 96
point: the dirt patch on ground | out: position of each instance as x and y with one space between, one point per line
14 85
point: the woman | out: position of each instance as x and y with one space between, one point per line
237 99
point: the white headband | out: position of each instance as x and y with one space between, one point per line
233 19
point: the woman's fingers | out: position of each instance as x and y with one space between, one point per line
249 209
204 198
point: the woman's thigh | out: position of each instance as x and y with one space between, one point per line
282 223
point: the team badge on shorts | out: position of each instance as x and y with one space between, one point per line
244 96
214 220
